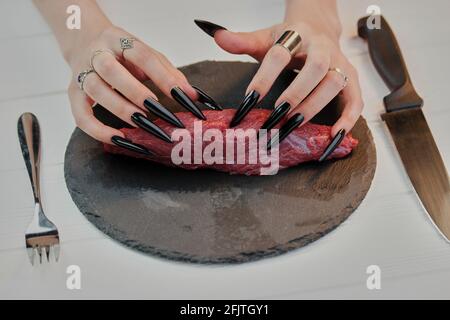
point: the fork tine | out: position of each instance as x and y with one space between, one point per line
56 251
30 252
39 251
47 253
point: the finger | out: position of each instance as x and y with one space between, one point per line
135 71
255 43
186 86
85 119
329 88
99 91
315 69
166 78
147 60
199 94
276 59
163 77
353 105
118 77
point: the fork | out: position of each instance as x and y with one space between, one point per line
41 234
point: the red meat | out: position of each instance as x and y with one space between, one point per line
305 143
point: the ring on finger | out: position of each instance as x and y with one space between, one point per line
97 52
342 74
290 40
82 76
126 43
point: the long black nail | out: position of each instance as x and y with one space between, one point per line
286 129
181 97
127 144
206 99
333 145
250 100
160 111
276 116
208 27
143 122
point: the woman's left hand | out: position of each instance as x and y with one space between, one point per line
316 84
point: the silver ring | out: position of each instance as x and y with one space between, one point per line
342 74
126 43
290 40
82 76
97 52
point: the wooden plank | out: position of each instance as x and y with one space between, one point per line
20 19
389 229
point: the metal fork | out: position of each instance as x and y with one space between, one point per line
41 234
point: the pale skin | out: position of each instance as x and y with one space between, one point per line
315 86
315 20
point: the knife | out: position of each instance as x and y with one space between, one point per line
408 126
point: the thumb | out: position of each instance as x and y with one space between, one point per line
254 43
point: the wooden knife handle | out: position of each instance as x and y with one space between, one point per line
388 60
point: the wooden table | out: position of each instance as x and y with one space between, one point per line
389 229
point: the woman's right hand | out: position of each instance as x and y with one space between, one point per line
130 98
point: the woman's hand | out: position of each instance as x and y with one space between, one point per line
319 53
105 73
116 83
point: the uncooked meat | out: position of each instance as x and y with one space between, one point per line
212 147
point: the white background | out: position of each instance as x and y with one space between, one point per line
389 229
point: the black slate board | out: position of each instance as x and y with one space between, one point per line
211 217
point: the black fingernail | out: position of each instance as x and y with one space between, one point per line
181 97
208 27
143 122
276 116
160 111
206 99
333 145
127 144
286 129
250 100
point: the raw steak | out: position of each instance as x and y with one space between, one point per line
306 143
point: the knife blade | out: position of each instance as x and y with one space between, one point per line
407 124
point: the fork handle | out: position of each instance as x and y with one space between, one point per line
30 143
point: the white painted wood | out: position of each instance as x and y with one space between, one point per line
20 19
390 229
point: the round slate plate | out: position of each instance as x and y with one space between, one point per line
204 216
